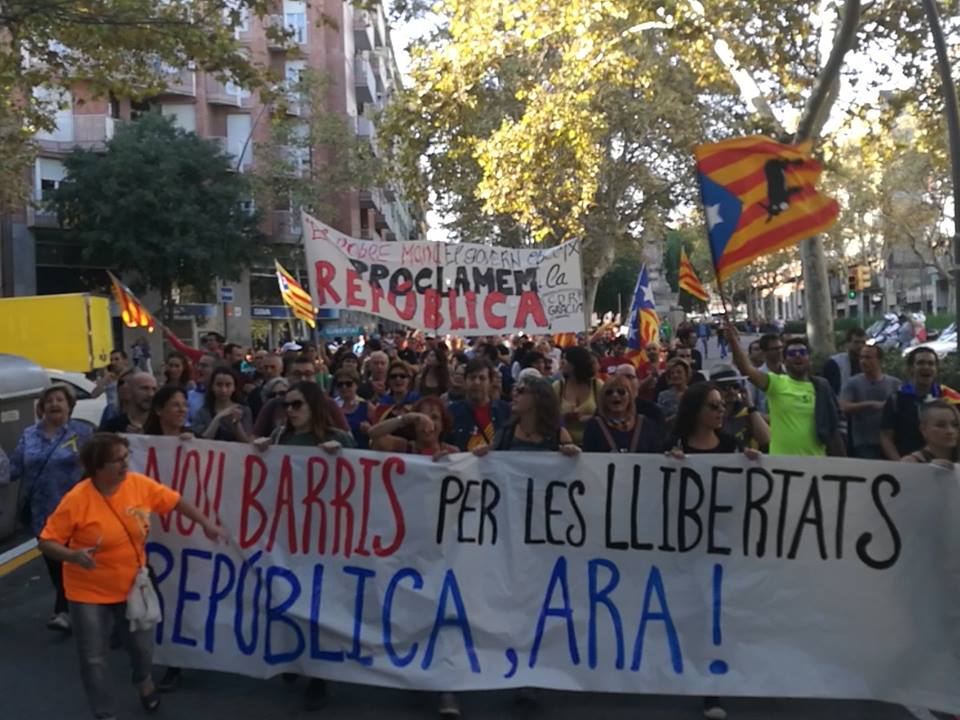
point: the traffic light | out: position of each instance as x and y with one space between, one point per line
864 277
852 278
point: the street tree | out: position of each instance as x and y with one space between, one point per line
161 203
123 48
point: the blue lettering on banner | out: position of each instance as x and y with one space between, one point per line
217 595
655 585
278 614
602 597
185 596
559 576
451 588
156 549
398 660
248 648
355 651
315 652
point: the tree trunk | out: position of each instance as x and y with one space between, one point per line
602 253
818 306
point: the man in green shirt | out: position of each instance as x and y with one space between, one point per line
804 419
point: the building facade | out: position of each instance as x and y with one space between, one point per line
350 46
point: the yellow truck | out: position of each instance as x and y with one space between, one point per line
71 332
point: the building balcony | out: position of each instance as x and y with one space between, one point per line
232 148
364 83
370 200
181 82
275 32
362 30
286 226
219 93
90 132
42 217
379 22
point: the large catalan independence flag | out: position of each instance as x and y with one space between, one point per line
644 321
132 311
759 196
295 296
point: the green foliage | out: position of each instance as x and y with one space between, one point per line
119 47
615 291
162 203
314 157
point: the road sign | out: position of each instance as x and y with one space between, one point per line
226 294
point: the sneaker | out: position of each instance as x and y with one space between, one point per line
713 710
315 695
449 705
59 622
168 683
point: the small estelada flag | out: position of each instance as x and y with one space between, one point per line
132 311
295 297
689 280
759 196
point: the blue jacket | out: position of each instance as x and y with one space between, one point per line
46 481
464 426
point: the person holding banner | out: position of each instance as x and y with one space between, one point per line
578 390
699 425
168 414
99 532
308 423
617 426
940 426
534 425
223 415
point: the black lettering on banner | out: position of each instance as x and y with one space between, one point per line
784 502
634 509
608 512
401 282
715 509
842 482
756 505
688 476
810 514
866 538
528 538
484 280
377 273
577 488
665 546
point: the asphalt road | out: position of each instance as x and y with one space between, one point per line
40 680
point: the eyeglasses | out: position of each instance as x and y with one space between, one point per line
344 383
717 407
293 404
120 460
797 352
614 391
399 376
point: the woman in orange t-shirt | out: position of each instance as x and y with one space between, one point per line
99 532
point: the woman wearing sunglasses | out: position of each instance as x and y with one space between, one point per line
698 428
617 427
356 410
308 422
430 420
399 397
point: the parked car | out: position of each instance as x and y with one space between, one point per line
89 409
945 344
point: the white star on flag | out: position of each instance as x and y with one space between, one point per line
713 216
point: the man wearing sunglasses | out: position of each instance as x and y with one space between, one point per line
804 419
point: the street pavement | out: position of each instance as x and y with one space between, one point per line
40 680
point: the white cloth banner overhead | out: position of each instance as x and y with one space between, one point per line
461 288
625 573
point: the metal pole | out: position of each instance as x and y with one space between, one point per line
953 133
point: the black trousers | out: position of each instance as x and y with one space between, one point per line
55 568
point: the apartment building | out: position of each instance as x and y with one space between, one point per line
351 45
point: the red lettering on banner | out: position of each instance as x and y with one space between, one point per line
376 293
313 498
471 309
284 502
342 510
496 322
456 322
326 272
530 305
185 525
389 465
432 319
368 466
249 502
353 289
409 308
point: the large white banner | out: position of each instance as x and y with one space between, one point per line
627 573
460 288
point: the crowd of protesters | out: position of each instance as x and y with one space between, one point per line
424 395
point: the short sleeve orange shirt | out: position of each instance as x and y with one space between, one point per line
83 519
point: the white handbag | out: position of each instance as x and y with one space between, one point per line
143 605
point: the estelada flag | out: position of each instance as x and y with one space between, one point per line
132 311
565 340
688 278
759 197
295 297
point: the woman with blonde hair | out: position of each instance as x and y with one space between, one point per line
617 427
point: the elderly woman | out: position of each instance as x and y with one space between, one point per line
47 461
677 375
99 532
617 427
431 421
400 396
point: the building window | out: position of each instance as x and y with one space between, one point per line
295 19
